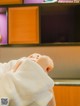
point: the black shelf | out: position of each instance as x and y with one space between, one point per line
42 45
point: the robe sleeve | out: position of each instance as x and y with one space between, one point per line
7 66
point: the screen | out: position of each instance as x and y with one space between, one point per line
60 23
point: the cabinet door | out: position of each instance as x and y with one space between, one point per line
23 25
67 95
10 1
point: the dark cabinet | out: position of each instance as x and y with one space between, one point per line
60 23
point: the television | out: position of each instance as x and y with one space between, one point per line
60 23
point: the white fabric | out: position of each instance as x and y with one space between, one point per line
29 86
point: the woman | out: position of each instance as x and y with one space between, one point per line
42 93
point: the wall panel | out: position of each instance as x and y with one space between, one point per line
67 95
66 58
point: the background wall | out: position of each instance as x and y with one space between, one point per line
66 58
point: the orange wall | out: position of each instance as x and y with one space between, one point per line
67 95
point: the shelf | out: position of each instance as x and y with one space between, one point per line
67 82
40 45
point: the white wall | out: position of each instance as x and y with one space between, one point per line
66 58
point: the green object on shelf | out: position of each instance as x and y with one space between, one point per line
50 0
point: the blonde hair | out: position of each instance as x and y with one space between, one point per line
43 60
46 62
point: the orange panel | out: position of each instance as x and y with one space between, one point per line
10 1
67 95
24 25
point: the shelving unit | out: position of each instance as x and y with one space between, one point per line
42 23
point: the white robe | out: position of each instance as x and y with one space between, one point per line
29 86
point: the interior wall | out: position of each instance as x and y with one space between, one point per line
66 58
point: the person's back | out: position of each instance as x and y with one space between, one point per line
46 64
